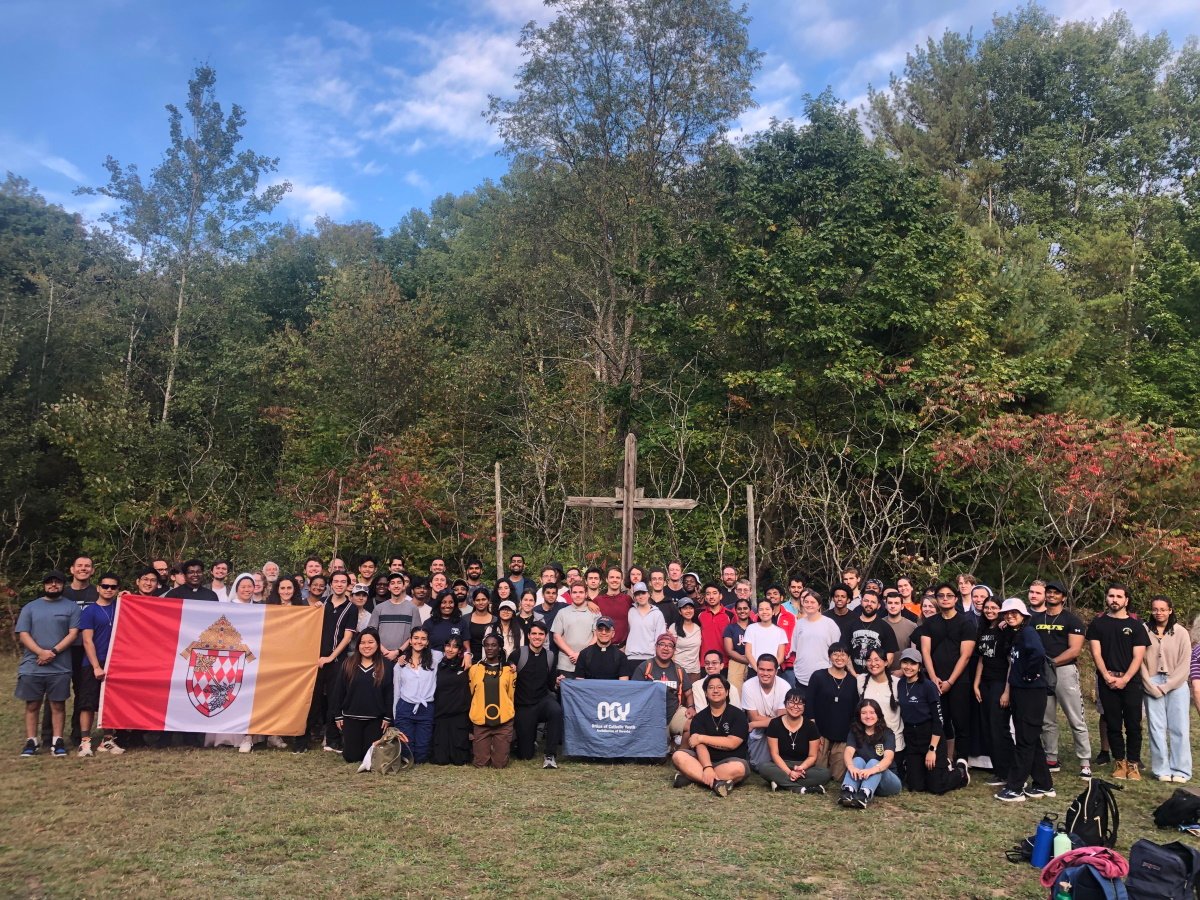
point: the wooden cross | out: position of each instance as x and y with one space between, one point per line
627 511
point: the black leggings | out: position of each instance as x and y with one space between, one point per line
357 736
941 779
1123 707
996 720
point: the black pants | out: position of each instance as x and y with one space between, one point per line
956 713
451 744
325 675
546 710
1123 708
996 720
357 736
941 779
1029 759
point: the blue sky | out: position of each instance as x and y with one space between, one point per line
374 107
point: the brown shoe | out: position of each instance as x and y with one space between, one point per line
1120 769
1132 773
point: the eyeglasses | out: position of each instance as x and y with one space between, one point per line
793 703
108 587
944 595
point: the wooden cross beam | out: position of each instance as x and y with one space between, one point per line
628 511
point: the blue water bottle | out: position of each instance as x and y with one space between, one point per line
1043 843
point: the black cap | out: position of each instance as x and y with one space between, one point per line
1055 586
605 622
54 575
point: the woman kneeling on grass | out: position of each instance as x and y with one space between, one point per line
926 768
362 697
870 751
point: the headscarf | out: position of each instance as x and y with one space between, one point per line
233 590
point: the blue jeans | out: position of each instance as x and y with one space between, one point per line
417 724
1167 722
881 784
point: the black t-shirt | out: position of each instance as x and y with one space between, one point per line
1117 638
334 616
945 637
733 722
992 650
793 745
536 679
674 594
601 663
668 608
85 596
846 624
1055 630
865 636
872 749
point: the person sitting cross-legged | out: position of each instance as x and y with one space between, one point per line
794 742
716 753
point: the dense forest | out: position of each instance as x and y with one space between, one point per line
958 331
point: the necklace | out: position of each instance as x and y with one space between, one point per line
837 687
718 722
793 734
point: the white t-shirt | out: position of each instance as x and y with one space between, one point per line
762 639
879 692
762 702
810 643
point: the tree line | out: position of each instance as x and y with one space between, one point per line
958 332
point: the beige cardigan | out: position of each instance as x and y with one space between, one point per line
1175 650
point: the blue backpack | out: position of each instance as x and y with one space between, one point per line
1088 884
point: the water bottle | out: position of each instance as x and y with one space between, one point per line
1062 841
1043 842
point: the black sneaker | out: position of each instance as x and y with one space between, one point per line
996 781
1011 796
861 799
721 788
59 750
1053 765
815 789
846 798
962 766
680 780
1104 758
1037 793
30 749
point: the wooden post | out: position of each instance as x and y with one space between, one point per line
499 529
337 518
751 542
629 489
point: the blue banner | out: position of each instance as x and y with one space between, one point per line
607 719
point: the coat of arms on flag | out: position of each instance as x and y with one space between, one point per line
216 664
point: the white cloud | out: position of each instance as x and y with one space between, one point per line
449 97
415 179
759 118
90 206
24 157
308 202
777 78
371 167
517 11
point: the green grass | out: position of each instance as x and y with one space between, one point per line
215 823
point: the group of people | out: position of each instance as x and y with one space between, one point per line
875 687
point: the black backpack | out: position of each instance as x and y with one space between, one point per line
1093 815
1166 872
1181 808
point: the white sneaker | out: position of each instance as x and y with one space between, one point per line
85 749
246 745
549 763
275 742
108 745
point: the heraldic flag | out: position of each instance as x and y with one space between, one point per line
195 665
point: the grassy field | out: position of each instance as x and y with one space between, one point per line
215 823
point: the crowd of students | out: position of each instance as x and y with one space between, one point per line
876 689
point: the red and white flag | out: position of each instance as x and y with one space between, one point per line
194 665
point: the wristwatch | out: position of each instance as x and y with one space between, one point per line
933 748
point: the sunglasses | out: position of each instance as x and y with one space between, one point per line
108 587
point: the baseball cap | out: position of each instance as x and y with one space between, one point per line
507 604
54 575
1055 586
911 655
360 589
667 637
640 588
604 622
